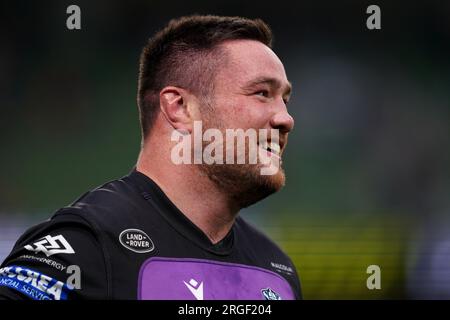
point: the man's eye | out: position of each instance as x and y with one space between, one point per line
263 93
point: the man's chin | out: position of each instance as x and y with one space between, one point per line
265 185
260 188
244 183
277 180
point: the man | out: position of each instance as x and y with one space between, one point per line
171 230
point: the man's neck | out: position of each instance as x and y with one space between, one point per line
197 197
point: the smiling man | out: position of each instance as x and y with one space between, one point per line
169 230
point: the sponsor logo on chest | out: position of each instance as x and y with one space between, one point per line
136 240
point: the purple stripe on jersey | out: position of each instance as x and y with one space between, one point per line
195 279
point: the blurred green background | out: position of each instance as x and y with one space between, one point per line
367 165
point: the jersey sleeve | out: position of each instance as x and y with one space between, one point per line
59 259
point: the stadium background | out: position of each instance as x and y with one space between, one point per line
367 164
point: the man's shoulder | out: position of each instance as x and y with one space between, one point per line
119 192
114 199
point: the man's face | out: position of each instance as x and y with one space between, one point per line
250 92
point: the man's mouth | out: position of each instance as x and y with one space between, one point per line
272 148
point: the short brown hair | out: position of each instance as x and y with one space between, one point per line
180 55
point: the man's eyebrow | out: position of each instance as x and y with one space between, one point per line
270 81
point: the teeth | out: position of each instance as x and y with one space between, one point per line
274 148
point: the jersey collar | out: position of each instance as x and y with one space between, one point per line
153 193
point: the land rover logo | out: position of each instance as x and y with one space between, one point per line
136 240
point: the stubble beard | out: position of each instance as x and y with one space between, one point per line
243 183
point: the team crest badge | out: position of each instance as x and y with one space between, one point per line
269 294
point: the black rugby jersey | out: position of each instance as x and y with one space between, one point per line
127 240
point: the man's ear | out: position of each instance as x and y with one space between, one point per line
173 102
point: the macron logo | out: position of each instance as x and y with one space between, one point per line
51 245
195 288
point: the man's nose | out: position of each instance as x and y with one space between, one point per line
282 121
